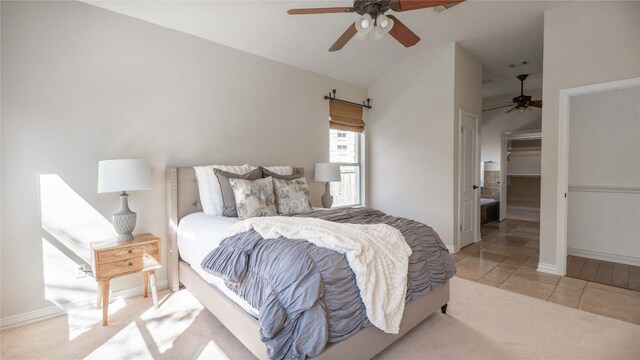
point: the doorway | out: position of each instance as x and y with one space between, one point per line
599 184
520 169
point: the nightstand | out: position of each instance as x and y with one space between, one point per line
118 258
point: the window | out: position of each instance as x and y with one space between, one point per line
345 149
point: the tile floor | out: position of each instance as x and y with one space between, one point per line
604 272
507 257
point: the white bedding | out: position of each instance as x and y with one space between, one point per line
198 235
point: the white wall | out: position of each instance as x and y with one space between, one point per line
81 84
577 53
467 97
496 122
412 137
411 140
604 146
524 157
604 151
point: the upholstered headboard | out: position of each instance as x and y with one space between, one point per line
183 198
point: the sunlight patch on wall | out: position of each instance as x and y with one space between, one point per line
129 341
69 225
69 218
61 286
172 319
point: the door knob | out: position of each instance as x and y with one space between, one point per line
474 187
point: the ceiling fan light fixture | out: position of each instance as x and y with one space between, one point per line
364 24
362 36
383 22
383 26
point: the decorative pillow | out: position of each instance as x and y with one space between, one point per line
280 170
292 196
254 198
209 188
297 174
228 199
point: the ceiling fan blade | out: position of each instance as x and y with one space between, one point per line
495 108
408 5
402 33
512 109
536 103
344 38
330 10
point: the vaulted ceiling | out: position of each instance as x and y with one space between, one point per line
499 33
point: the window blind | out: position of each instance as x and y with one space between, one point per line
345 117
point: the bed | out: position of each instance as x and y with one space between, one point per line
238 316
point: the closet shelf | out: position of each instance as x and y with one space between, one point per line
524 152
524 175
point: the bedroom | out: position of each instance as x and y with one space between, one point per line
172 84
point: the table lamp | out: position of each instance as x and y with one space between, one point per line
327 172
123 175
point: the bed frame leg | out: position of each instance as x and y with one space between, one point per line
444 308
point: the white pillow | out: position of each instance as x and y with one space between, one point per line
280 170
209 187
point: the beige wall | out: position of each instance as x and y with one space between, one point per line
81 84
585 43
412 139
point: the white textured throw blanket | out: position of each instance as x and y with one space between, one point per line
378 255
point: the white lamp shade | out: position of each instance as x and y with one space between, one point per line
327 172
123 175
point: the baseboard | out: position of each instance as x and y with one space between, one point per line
451 248
548 268
599 255
53 311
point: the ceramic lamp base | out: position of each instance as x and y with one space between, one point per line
327 199
124 221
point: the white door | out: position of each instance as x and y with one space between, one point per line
468 179
503 177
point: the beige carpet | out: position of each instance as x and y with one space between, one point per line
483 323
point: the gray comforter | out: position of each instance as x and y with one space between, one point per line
306 295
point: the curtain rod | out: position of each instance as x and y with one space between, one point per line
330 97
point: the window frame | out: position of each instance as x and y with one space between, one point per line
358 164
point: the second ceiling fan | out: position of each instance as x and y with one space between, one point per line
375 21
521 102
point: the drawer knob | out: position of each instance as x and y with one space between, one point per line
130 251
130 264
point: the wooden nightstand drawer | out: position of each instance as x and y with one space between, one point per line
128 252
131 265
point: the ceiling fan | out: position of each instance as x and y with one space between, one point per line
521 102
374 20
